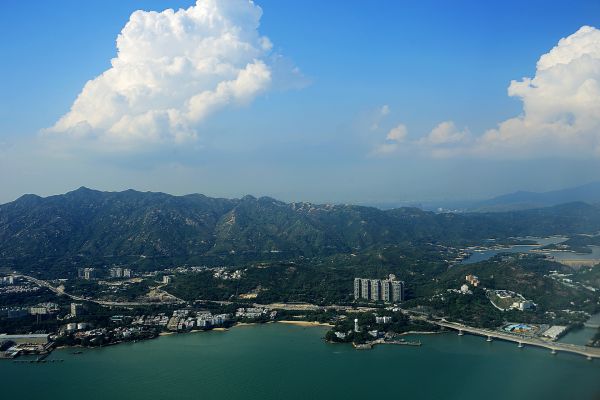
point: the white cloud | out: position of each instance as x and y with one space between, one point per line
397 134
380 115
443 134
394 138
385 110
561 111
443 140
561 104
173 69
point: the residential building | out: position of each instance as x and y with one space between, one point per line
383 320
376 290
86 273
77 309
116 272
388 290
473 280
357 288
366 289
397 291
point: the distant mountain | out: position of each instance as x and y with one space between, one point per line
589 193
88 227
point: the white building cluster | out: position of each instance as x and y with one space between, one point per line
118 272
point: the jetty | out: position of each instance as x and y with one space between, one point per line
370 345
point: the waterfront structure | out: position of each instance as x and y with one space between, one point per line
554 332
127 273
356 328
388 290
26 339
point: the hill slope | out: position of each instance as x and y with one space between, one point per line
93 227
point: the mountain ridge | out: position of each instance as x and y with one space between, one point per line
95 227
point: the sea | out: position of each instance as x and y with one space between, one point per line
482 255
279 361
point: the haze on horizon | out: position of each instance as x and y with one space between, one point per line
319 101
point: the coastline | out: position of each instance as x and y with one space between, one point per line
305 323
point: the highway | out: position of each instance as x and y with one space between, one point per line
589 352
58 291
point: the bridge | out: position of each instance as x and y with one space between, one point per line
588 352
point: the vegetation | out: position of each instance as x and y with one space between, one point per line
54 236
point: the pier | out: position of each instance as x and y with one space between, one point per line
554 347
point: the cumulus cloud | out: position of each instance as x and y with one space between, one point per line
394 138
444 134
173 69
560 117
380 115
398 133
561 104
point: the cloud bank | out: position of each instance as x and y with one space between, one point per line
173 69
560 117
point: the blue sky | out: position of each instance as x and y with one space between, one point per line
317 137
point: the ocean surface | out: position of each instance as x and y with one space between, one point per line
277 361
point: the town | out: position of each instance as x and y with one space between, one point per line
379 314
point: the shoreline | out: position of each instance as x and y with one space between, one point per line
305 323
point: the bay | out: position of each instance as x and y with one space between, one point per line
482 255
277 361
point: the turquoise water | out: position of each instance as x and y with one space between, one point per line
277 361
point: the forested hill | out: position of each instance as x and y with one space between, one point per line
91 225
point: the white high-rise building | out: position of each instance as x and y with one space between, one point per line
387 290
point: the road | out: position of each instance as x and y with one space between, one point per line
589 352
58 291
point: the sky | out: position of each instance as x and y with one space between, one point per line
338 101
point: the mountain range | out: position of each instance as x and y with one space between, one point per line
589 193
94 227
